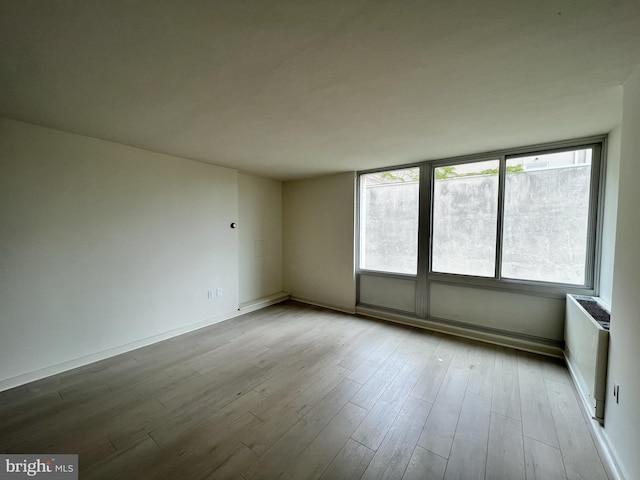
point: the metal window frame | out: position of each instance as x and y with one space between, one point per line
425 275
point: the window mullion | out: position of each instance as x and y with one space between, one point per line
596 212
499 224
424 242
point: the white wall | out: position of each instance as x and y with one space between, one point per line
622 419
260 237
104 245
318 240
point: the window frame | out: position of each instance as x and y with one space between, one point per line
359 221
425 274
440 163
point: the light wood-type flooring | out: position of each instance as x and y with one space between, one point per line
299 392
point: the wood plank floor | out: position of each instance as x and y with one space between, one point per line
298 392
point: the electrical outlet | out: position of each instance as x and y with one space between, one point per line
616 392
218 292
209 294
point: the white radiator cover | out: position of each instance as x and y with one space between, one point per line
586 351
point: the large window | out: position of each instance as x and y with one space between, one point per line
465 215
516 219
546 217
389 221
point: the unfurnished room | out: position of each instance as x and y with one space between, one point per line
295 239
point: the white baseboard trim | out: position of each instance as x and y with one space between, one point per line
111 352
607 453
600 438
258 303
459 331
323 305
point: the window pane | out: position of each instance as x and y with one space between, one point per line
389 221
465 213
546 214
